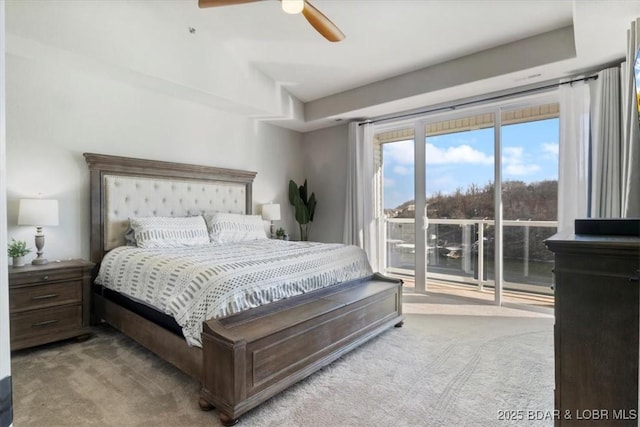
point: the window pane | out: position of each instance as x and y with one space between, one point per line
398 197
529 195
459 182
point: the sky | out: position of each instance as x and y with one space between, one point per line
529 154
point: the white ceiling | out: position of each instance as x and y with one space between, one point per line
398 54
387 38
383 38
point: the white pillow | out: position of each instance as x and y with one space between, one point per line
229 227
169 232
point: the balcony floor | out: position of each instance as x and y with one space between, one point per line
447 298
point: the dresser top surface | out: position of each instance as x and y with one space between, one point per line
52 265
588 241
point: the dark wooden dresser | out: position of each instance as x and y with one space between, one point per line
49 302
596 329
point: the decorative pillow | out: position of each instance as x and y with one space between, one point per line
229 227
169 232
130 237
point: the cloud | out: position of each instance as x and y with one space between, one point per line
403 170
445 184
513 162
460 154
551 148
400 152
388 183
512 154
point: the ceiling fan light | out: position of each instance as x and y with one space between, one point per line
292 6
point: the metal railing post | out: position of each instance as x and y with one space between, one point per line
526 250
481 254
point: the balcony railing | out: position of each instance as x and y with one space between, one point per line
461 250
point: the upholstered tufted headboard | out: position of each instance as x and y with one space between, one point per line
123 187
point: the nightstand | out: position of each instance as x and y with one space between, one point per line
49 302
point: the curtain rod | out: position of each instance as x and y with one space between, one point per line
479 101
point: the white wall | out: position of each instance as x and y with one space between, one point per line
325 167
5 346
61 103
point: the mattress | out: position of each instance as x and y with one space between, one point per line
193 284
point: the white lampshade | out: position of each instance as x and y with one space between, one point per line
38 212
271 212
292 6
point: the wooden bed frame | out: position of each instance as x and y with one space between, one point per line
249 357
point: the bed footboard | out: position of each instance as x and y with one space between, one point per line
249 359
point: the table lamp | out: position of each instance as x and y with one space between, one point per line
38 212
271 212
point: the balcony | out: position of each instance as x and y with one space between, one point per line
461 250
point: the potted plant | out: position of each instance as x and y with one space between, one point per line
304 207
280 233
18 250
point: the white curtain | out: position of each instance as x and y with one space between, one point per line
606 155
573 179
630 147
361 218
615 133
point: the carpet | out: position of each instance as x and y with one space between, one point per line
443 368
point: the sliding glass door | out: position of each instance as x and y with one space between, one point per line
529 203
396 150
469 198
459 173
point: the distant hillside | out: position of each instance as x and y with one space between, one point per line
536 201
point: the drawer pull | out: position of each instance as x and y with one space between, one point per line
45 278
45 323
44 296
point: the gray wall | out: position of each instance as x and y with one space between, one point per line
324 154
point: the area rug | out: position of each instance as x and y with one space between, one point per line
437 370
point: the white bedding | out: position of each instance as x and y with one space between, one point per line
194 284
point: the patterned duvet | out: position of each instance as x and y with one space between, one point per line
194 284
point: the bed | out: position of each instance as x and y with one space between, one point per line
244 357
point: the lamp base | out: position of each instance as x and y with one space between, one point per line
40 260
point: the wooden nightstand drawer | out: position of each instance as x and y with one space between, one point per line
49 302
50 321
46 275
42 296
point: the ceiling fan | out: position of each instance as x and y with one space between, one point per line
321 23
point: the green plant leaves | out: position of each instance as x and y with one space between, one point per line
304 208
293 192
302 212
312 206
303 192
17 248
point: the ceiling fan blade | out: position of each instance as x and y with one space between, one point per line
321 23
214 3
